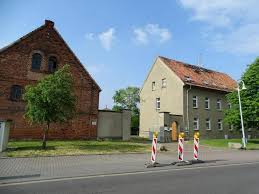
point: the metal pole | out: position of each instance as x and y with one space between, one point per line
241 116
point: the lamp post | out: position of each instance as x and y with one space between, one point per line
240 109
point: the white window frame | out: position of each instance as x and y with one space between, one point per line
153 86
207 100
219 102
221 124
195 98
207 121
196 120
164 83
158 104
231 127
229 105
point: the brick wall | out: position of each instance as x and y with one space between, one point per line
15 69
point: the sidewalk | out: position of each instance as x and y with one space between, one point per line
25 169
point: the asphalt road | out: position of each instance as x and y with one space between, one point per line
229 178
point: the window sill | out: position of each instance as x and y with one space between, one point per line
35 70
195 107
208 129
16 100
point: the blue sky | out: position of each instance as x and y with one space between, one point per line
118 41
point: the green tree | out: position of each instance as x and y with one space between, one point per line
128 98
51 100
249 99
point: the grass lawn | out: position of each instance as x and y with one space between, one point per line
252 144
75 147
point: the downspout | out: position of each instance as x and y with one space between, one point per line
187 110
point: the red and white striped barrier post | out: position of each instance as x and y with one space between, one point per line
196 145
154 148
180 146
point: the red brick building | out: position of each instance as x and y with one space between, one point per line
29 59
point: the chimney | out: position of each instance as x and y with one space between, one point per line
49 23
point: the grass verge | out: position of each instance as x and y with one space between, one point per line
253 144
74 147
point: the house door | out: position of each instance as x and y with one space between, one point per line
174 131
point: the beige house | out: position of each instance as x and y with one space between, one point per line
184 97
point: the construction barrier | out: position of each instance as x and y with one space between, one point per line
154 148
180 146
181 161
196 145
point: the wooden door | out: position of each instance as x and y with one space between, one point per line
174 131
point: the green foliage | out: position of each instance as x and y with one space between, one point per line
51 100
249 99
128 98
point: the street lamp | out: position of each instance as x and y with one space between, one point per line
240 109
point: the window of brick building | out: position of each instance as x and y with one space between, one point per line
52 64
36 61
16 93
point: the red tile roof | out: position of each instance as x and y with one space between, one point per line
199 76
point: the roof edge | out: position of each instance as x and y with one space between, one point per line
50 24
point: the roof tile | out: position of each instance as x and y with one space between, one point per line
199 76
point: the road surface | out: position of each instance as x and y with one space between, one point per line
223 178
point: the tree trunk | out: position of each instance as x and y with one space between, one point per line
45 137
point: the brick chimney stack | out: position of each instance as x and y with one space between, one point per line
49 23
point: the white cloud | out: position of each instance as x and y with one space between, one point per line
107 38
151 32
222 12
90 36
95 69
233 24
140 36
243 40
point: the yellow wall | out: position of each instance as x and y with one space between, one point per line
171 97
